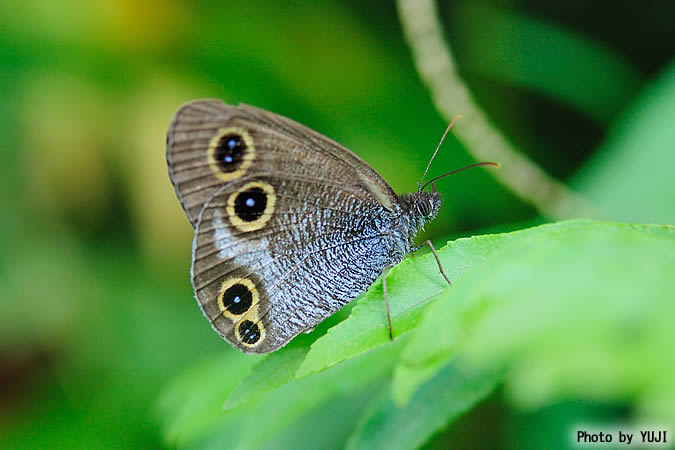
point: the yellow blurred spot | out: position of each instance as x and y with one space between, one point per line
64 122
164 231
118 25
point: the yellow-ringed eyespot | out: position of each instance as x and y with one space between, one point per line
250 333
230 153
236 297
251 207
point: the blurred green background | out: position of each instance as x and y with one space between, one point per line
96 308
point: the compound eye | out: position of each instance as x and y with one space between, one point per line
424 208
431 207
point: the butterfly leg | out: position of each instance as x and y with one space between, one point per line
386 300
438 260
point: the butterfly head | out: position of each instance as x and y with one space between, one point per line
420 207
426 204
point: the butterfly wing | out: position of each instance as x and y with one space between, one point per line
291 225
210 143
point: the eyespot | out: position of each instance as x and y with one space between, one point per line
248 332
251 207
236 297
230 153
250 204
239 302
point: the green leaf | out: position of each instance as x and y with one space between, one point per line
270 373
630 178
449 394
468 252
192 402
266 421
576 308
278 368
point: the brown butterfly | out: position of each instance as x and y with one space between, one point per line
289 225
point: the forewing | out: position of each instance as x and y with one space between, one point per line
210 144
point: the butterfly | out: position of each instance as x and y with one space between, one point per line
289 225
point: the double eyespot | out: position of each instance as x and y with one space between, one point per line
251 206
230 153
239 301
248 333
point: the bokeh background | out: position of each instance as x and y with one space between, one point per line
96 308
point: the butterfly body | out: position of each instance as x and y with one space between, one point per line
289 225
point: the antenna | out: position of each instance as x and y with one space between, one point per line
483 163
422 186
438 147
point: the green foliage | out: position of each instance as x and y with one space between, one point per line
291 406
539 60
280 367
102 344
447 395
631 177
561 301
193 401
545 306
